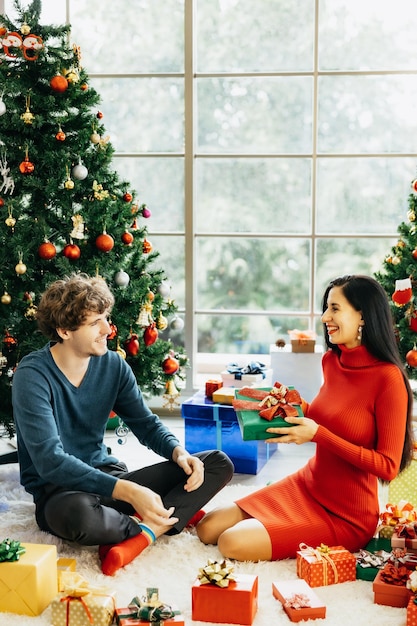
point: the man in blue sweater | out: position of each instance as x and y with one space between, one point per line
62 397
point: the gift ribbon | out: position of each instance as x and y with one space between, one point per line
149 610
68 600
10 550
76 587
297 601
322 553
254 367
215 573
216 417
302 336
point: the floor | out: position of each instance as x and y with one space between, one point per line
285 460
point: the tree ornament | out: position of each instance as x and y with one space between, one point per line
164 289
69 183
127 197
146 213
84 87
414 185
46 250
413 321
2 106
20 268
78 230
411 357
145 315
79 172
104 242
3 361
11 43
99 115
59 83
120 350
25 28
403 292
395 260
113 332
150 296
27 116
411 215
8 182
161 322
71 251
170 365
30 312
72 75
26 166
121 278
95 137
9 342
10 221
150 335
6 298
60 136
1 202
147 247
171 395
177 323
31 46
127 238
132 345
134 224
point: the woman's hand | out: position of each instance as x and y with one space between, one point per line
303 431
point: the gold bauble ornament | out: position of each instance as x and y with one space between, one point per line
395 260
10 221
161 322
30 312
69 184
95 138
411 216
25 29
27 116
120 350
20 268
6 298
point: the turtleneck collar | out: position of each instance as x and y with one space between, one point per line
356 357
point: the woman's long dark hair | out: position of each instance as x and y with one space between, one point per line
366 295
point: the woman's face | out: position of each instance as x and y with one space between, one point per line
341 319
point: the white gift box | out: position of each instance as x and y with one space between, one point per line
247 380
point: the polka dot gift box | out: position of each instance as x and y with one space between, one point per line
80 604
325 565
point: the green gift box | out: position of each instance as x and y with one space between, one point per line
252 426
375 544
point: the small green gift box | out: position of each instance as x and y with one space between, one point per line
253 426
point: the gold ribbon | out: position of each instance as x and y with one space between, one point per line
76 587
219 574
323 554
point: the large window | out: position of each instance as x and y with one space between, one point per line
274 142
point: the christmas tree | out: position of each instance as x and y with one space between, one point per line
65 210
399 279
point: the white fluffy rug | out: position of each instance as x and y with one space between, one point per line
172 564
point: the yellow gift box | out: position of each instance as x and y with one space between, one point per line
80 604
27 586
65 565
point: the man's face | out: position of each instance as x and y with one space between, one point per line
90 339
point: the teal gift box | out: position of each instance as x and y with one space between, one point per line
252 426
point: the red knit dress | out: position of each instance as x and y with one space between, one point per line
361 411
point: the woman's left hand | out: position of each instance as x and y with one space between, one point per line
303 430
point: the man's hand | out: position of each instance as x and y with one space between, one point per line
303 431
192 466
147 504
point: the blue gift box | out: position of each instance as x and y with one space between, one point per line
215 426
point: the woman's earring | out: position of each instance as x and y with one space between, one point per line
359 335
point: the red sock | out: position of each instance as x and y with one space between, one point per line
113 557
196 518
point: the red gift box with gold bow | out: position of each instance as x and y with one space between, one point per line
325 565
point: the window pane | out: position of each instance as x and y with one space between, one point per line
143 114
363 114
336 257
253 195
253 274
371 35
240 35
165 201
362 195
241 334
53 11
124 36
257 114
171 261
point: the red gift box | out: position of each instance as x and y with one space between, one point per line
292 592
177 620
404 542
390 595
411 612
325 566
235 604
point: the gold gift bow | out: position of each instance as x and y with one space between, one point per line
219 574
322 553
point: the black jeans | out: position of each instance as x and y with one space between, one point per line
89 519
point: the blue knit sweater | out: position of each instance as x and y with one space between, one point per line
60 428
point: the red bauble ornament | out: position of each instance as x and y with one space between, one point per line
411 357
71 251
26 166
414 254
127 197
171 365
150 335
1 202
59 83
47 250
9 342
132 345
104 242
99 115
147 247
414 185
113 333
413 321
60 136
127 238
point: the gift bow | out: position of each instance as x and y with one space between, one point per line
301 335
254 367
322 553
215 573
76 587
297 601
400 513
150 609
279 400
408 531
10 550
393 575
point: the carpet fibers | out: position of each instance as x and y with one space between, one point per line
172 564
